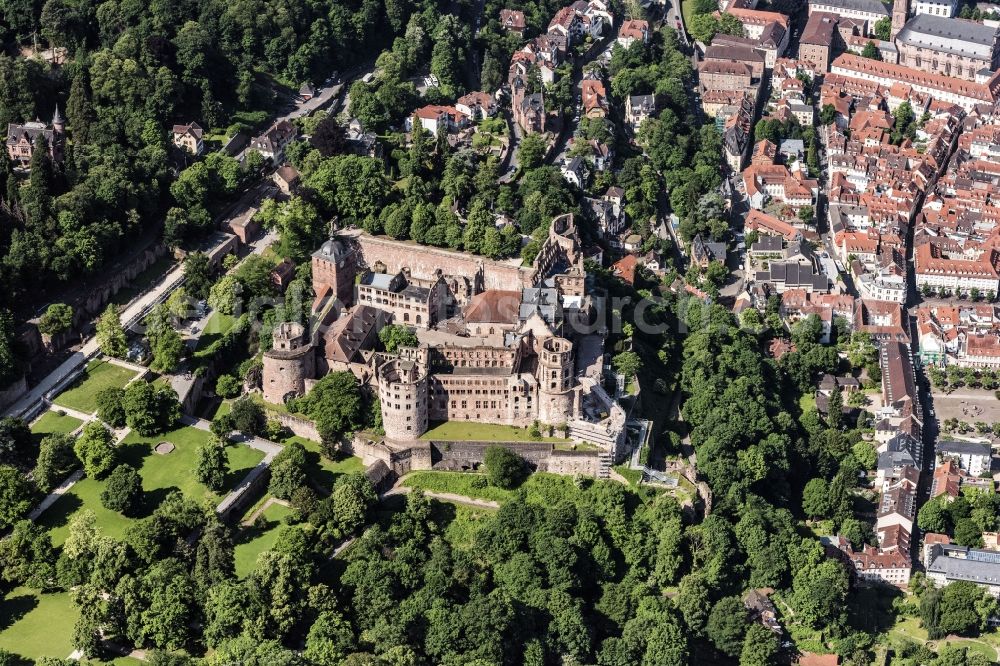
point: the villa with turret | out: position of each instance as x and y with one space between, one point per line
498 343
21 139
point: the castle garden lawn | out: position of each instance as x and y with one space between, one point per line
161 475
465 431
254 540
99 375
53 423
216 326
34 625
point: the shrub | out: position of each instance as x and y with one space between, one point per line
504 468
123 492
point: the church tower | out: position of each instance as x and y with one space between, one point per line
899 11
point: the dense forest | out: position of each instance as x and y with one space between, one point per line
132 71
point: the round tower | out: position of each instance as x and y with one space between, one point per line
555 380
288 364
402 392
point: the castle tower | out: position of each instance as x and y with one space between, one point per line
403 395
288 364
58 124
555 381
334 267
900 9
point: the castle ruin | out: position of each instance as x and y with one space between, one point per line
498 342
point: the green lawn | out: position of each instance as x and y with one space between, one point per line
634 476
35 625
463 431
540 488
52 423
161 474
252 541
216 326
98 375
687 12
463 522
224 408
322 470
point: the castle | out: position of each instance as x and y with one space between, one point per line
498 342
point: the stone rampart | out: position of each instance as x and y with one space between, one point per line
424 261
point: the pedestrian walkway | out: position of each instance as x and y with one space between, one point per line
269 448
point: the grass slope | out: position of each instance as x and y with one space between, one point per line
252 541
98 375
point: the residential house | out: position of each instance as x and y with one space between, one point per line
762 609
705 252
870 564
574 170
512 20
287 178
638 108
528 109
272 143
189 138
476 106
633 31
437 118
595 98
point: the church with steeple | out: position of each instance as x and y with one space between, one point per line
928 37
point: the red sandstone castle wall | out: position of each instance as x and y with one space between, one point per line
423 261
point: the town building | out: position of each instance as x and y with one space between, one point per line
938 267
819 38
973 457
946 8
948 46
948 563
948 89
866 12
